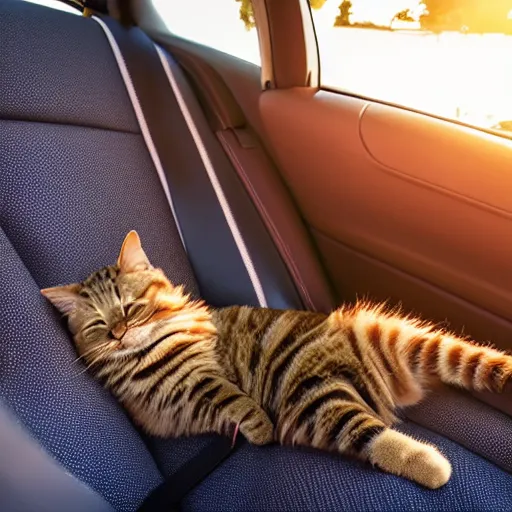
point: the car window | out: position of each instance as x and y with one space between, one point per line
448 58
226 25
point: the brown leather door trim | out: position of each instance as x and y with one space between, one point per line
428 219
355 270
411 158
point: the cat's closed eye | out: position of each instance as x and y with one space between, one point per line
94 327
96 323
135 309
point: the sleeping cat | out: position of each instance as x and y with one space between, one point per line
328 381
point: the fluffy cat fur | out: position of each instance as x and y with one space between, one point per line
332 382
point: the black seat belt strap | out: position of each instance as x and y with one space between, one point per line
168 495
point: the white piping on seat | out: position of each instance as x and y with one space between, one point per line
140 119
228 214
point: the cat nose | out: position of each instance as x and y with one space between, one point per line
119 330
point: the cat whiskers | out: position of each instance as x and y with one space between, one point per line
99 351
88 352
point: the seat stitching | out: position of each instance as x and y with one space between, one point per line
61 123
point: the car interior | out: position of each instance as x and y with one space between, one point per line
250 185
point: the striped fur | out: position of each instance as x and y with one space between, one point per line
331 382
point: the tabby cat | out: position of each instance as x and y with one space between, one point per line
328 381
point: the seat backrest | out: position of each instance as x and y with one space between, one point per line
76 174
213 210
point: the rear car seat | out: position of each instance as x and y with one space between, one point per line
78 170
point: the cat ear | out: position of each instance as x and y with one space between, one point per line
132 257
64 298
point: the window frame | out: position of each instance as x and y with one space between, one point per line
312 43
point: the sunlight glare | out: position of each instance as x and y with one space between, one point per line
212 23
452 74
56 4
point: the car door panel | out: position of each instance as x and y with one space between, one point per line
392 190
358 275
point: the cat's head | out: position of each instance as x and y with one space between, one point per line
120 306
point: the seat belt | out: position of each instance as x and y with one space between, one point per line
169 494
131 49
210 204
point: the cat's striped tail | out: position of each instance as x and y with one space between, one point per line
459 362
411 352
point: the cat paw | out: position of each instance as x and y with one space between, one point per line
404 456
427 467
258 430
